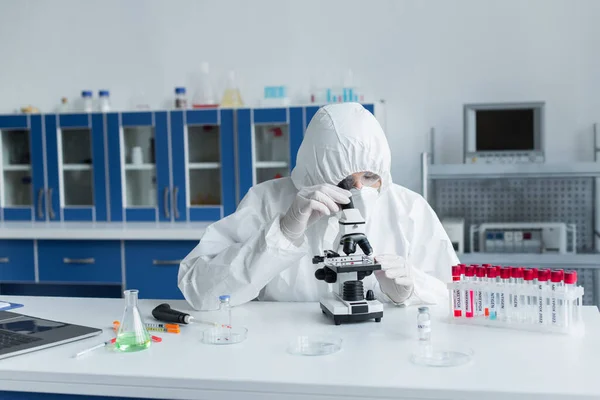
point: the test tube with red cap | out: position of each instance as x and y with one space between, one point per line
469 280
528 305
571 306
480 288
516 275
542 306
456 293
504 298
556 283
492 276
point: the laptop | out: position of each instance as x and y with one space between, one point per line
20 334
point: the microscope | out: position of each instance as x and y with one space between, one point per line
347 302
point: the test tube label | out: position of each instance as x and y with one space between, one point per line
479 302
540 306
553 303
457 303
469 303
493 304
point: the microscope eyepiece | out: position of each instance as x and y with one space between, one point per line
347 184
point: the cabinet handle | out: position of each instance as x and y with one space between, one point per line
166 201
67 260
50 208
175 208
40 209
4 260
166 262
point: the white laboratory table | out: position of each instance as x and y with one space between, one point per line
373 363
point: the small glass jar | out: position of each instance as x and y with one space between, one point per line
104 100
180 98
86 100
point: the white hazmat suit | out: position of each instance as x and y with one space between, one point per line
247 256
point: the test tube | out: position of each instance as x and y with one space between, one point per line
504 298
572 305
542 306
492 276
556 278
528 304
516 275
456 293
469 280
479 285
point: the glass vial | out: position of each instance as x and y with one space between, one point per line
424 325
224 312
86 100
204 96
104 100
132 335
180 98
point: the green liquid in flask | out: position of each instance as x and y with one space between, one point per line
130 342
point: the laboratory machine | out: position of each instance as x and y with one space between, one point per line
524 237
347 302
504 133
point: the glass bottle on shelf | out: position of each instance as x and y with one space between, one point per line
232 96
204 96
86 101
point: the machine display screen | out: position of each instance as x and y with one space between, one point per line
502 130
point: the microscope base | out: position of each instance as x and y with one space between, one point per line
356 311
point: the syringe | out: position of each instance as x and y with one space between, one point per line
165 313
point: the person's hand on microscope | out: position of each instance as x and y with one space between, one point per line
394 278
310 204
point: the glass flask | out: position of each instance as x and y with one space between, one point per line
204 97
232 96
132 334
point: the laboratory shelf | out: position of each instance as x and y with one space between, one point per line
139 167
77 167
479 171
585 260
271 164
205 165
17 168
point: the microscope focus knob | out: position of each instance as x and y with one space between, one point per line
325 274
370 295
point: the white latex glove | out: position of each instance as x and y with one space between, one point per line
395 278
310 204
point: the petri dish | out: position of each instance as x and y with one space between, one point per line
442 356
314 345
224 336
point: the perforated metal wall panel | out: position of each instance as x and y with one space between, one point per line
568 200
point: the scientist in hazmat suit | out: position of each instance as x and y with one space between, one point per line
264 250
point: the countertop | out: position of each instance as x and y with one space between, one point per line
103 230
373 363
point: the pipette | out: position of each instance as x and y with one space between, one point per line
165 313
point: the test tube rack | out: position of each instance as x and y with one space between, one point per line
540 306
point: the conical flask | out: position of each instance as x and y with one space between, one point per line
232 96
132 334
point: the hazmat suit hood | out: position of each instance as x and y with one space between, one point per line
340 140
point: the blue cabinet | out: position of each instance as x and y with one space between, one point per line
171 166
22 174
17 263
152 267
80 261
268 140
75 167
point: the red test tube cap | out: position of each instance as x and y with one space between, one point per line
556 275
492 272
543 275
535 273
480 272
528 274
456 270
516 272
469 270
505 272
571 277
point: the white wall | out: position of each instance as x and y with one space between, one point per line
425 58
